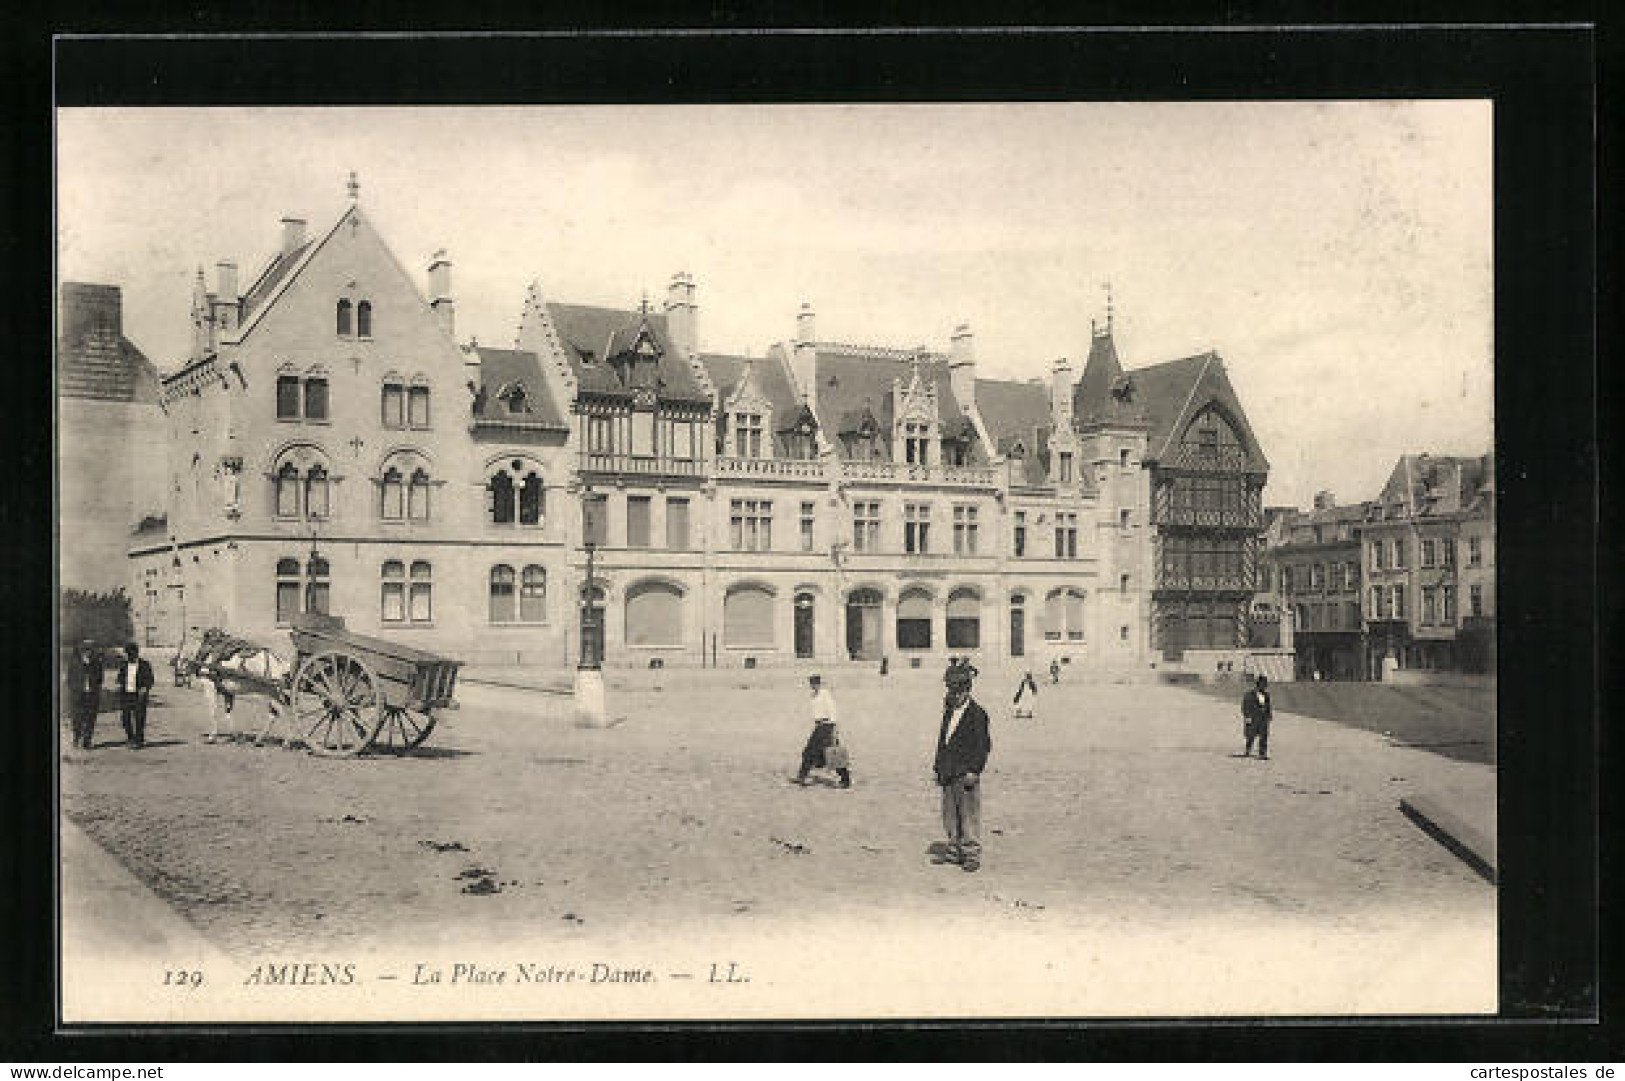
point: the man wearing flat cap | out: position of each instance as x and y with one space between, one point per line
85 673
962 750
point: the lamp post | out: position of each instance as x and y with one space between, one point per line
589 682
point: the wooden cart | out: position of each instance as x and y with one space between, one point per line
352 693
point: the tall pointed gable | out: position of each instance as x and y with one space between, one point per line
350 257
1174 393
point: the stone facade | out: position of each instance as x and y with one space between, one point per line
332 447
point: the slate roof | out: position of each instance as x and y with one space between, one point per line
94 358
772 379
852 378
1092 398
501 368
1017 412
1440 484
1172 393
271 277
592 334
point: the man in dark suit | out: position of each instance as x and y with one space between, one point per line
134 685
1256 716
962 750
85 691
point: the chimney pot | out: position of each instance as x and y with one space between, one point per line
226 277
293 234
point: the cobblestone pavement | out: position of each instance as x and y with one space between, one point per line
1122 836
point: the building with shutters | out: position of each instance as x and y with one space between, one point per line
1317 563
332 447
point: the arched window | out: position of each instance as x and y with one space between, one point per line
394 404
287 491
1122 583
914 620
344 327
500 490
654 615
502 594
422 606
533 595
419 401
287 590
516 492
363 319
393 507
393 592
530 500
316 493
1063 615
964 619
417 502
316 586
747 616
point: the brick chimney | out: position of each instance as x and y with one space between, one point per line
962 367
1060 395
804 362
293 234
445 309
682 314
227 302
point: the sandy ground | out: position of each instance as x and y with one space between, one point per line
1133 865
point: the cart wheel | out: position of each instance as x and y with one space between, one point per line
336 706
404 729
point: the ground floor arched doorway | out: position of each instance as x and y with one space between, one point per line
863 634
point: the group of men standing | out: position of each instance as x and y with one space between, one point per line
87 673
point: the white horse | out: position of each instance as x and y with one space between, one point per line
229 667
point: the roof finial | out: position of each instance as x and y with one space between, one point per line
1108 286
354 187
644 306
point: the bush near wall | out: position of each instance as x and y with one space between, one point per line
104 618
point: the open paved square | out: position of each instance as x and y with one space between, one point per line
1133 864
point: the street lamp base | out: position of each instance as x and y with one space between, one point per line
589 698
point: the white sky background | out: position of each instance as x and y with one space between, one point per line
1337 255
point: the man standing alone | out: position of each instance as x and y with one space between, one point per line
962 749
135 684
85 685
1256 715
813 755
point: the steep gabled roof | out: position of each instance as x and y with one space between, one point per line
772 379
1439 484
500 368
1013 413
591 334
1172 393
852 378
1093 400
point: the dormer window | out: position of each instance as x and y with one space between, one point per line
916 443
513 396
748 435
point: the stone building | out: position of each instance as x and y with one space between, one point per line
110 432
1317 562
332 448
1429 600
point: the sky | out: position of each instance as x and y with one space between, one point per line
1337 255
